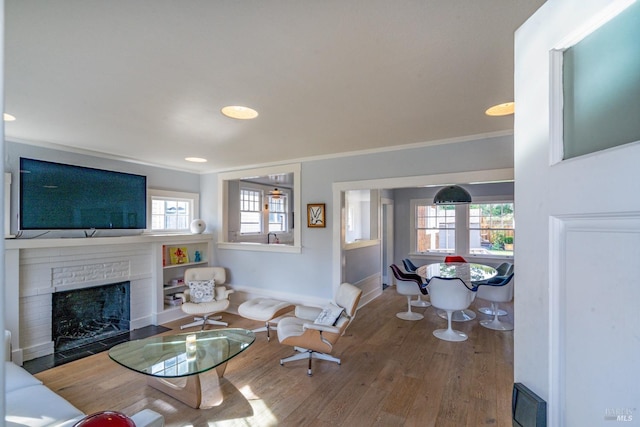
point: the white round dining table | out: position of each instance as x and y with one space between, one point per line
470 273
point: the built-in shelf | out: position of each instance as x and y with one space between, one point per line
168 272
185 264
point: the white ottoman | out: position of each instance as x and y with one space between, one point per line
266 310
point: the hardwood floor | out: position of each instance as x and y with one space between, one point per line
393 373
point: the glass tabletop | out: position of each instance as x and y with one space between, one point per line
464 270
181 355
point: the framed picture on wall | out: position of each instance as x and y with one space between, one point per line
316 215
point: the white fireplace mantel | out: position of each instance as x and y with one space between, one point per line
36 268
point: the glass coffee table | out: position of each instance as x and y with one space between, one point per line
185 365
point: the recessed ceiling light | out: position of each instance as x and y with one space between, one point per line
501 109
195 159
239 112
9 117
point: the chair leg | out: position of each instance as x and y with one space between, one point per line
325 356
409 315
309 354
304 354
459 315
266 328
450 334
495 323
214 320
419 302
489 311
197 321
203 321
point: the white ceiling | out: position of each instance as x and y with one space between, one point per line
145 79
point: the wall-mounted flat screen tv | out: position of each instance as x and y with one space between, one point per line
55 196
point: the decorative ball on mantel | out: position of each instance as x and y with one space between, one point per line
106 419
198 226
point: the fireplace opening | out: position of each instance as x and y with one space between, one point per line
83 316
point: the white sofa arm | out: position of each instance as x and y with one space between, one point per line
148 418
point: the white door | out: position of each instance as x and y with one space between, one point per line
577 295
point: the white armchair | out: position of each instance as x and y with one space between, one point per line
450 294
204 311
313 340
496 290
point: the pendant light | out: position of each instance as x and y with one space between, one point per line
275 193
452 195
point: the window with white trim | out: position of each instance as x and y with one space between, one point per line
435 228
491 228
485 228
250 211
263 179
171 211
278 214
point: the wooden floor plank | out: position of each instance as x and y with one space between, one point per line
393 372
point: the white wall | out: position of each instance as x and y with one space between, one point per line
309 274
576 302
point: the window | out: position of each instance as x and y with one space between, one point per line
278 214
435 228
600 87
486 228
491 228
250 211
262 180
172 211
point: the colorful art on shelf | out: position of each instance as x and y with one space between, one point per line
178 255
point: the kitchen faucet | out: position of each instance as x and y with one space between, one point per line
275 238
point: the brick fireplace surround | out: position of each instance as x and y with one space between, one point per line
37 268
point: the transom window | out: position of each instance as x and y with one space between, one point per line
250 211
172 211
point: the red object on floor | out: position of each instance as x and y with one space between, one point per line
106 419
454 258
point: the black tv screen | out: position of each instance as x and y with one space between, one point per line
55 196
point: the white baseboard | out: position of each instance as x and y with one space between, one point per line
371 288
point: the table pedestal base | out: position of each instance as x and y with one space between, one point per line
458 316
193 388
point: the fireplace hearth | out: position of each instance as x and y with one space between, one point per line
83 316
